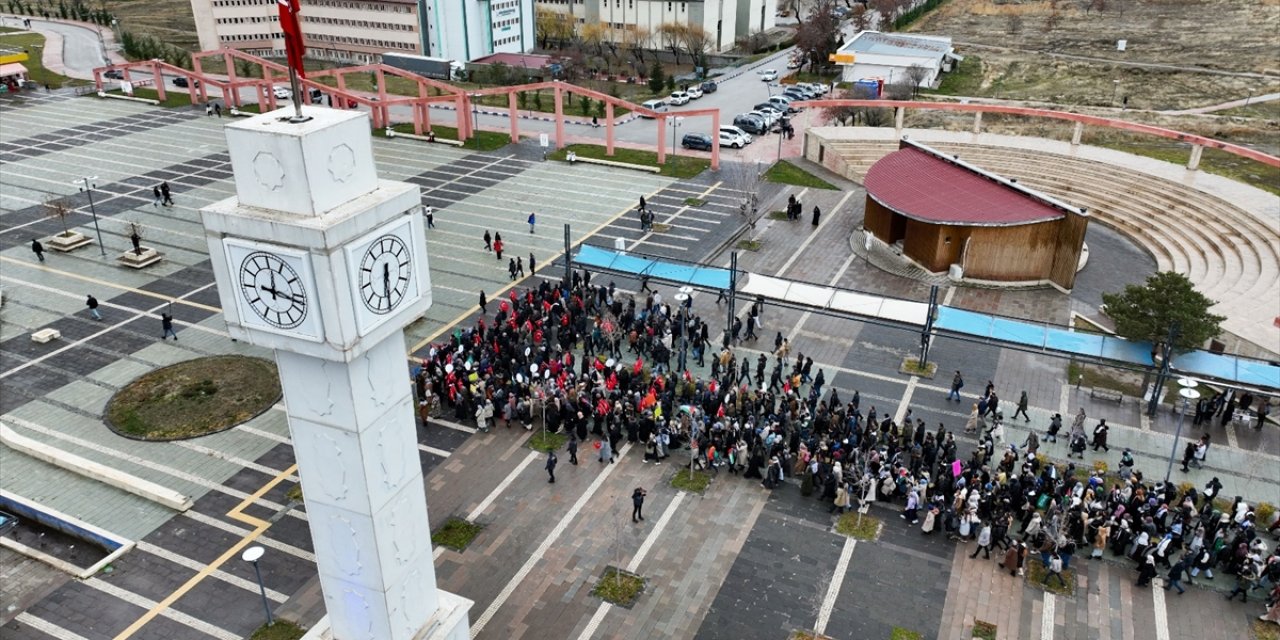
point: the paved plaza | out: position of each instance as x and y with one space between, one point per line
738 562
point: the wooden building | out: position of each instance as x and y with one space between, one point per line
940 211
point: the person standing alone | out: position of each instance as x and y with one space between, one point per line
551 467
637 504
37 249
533 220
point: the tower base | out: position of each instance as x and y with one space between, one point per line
450 621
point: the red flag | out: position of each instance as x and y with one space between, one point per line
292 34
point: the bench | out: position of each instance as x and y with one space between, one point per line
612 163
45 335
1106 394
413 136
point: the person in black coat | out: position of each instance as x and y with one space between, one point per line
551 466
817 213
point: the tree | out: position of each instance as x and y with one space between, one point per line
657 79
634 40
552 26
1146 311
752 42
916 74
816 38
842 115
696 40
747 179
673 37
57 208
591 38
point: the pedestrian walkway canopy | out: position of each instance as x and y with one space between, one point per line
963 324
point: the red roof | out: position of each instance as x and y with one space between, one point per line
925 187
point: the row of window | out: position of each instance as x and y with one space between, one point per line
502 41
390 26
506 23
368 42
339 4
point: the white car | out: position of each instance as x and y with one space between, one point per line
281 93
746 137
770 111
733 141
678 98
694 92
768 118
821 88
768 75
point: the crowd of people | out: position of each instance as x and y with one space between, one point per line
596 364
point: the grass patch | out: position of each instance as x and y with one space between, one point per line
965 79
904 634
278 630
858 526
619 587
172 99
545 441
984 630
778 215
659 227
803 634
1093 377
691 481
786 173
675 167
694 202
456 534
481 141
749 245
1215 161
194 398
1260 630
294 494
1262 110
911 366
33 44
1036 572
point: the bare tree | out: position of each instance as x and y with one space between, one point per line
56 207
552 26
916 74
842 115
752 42
696 40
748 179
861 18
817 37
635 39
900 89
673 38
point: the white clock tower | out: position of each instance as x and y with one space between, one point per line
319 260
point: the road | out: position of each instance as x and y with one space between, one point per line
83 47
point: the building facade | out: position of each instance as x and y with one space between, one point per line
887 57
360 31
722 20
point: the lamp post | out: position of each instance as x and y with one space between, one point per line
475 114
675 124
86 186
1188 394
252 555
685 298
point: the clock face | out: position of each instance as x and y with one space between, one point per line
273 289
385 273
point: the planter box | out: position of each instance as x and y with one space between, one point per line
45 335
65 242
135 260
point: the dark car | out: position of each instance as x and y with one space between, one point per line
750 124
709 87
8 521
114 74
699 141
181 81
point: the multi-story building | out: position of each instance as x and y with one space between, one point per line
361 30
722 20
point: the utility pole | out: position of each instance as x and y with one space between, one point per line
1167 356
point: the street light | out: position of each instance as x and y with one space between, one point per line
87 188
685 298
675 124
1188 394
252 555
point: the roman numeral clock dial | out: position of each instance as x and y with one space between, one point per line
386 270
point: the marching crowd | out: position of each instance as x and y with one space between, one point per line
596 364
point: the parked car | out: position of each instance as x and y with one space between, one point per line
768 119
783 104
8 522
751 124
653 105
731 140
770 110
694 92
181 81
699 141
746 137
709 87
114 74
678 98
795 63
820 88
281 93
769 75
797 94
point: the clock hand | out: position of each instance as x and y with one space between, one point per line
386 279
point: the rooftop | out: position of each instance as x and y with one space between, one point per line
876 43
926 185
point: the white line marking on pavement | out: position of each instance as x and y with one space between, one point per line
1062 399
210 521
265 434
1161 614
434 451
195 565
906 400
1230 428
634 565
833 589
545 545
222 455
44 626
168 612
1046 617
816 232
493 495
455 426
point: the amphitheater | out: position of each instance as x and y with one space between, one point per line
1224 235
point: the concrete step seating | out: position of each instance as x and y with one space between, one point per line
1223 248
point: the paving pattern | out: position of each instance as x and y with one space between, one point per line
737 562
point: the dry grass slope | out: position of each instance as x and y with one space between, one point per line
169 20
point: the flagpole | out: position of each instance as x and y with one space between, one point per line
295 87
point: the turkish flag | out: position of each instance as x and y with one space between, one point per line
289 23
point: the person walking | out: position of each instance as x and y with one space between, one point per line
551 467
166 324
430 212
168 197
488 241
533 220
532 269
957 383
573 451
520 265
643 205
511 268
92 303
1175 575
606 451
1022 408
817 213
155 191
637 504
497 247
217 108
37 249
208 109
1100 435
984 542
484 309
1054 570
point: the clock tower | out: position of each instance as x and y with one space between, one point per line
319 260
